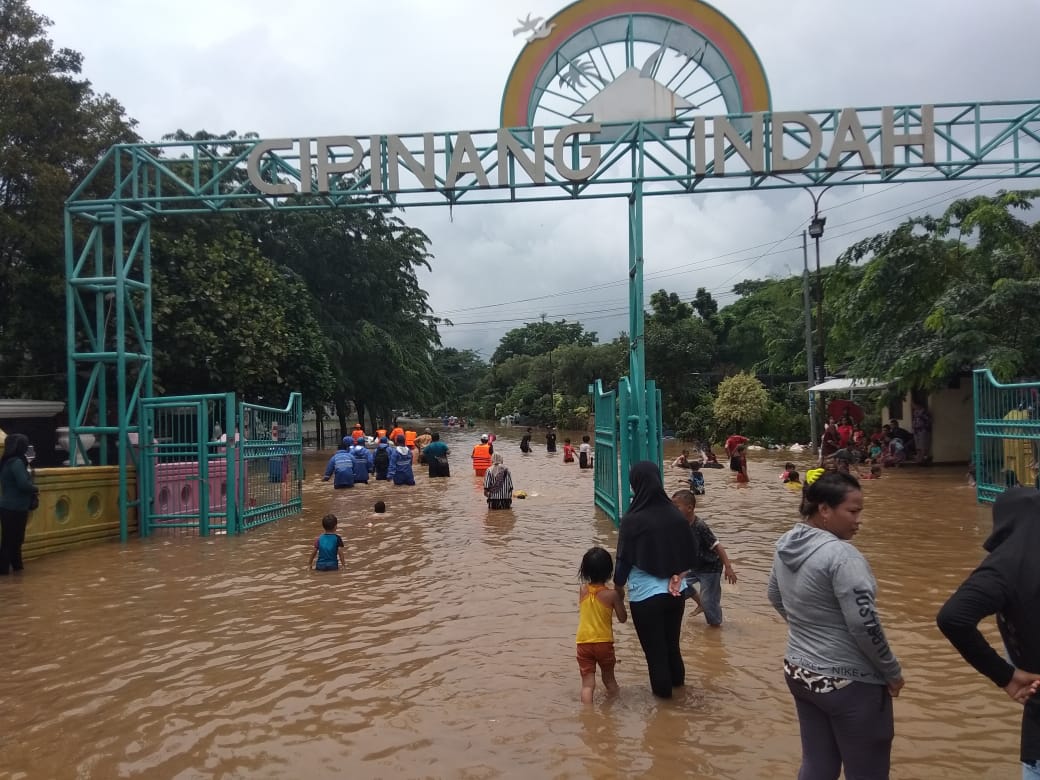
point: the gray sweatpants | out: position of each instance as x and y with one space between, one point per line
852 726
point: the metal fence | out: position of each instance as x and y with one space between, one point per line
605 461
209 466
1007 435
272 462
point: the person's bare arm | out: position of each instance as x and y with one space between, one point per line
615 601
727 566
314 554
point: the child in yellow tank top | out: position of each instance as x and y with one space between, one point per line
597 604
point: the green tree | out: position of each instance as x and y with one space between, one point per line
936 297
539 338
461 372
226 318
740 401
678 346
53 130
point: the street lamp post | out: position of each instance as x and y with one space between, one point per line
816 232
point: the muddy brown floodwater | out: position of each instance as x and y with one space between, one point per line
445 649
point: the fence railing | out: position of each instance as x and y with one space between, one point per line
1007 435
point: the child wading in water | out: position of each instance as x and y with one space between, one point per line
568 451
328 548
585 453
596 605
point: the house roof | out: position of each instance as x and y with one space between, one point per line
839 384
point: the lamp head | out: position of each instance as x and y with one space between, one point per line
816 226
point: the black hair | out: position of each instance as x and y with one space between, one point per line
380 507
829 489
596 566
686 497
435 436
793 476
789 466
343 444
585 438
329 522
566 441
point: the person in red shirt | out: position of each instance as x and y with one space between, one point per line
568 451
733 442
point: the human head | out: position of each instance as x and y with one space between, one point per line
427 430
894 423
596 566
875 470
15 446
789 466
400 440
686 502
833 501
1015 507
685 452
585 438
380 507
348 441
383 440
329 522
792 476
435 437
483 437
496 459
360 440
529 430
357 426
566 440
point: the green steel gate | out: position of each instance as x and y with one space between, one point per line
1007 435
207 465
271 458
186 466
617 434
605 461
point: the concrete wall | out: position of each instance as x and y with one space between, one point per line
78 506
953 422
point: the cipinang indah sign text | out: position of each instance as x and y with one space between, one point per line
576 156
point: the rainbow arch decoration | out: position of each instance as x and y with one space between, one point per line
726 55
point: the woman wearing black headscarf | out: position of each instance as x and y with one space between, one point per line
654 545
16 495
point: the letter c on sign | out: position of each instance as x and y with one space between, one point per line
253 167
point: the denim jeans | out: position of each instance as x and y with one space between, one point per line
1031 771
711 595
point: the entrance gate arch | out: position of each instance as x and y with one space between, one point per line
662 98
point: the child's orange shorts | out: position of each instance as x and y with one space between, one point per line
592 653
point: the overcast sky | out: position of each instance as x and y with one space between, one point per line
327 67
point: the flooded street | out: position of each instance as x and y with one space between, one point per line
446 646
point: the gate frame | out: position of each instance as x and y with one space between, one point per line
989 428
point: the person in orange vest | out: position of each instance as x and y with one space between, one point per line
397 431
482 456
380 434
358 432
409 440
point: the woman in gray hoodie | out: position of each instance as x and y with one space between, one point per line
838 665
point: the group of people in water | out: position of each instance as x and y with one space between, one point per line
838 665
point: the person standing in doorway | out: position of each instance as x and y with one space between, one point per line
1006 584
18 496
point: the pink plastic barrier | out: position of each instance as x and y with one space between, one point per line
177 487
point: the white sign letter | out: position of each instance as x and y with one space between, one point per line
397 152
326 163
464 159
754 155
849 122
781 118
509 146
591 153
924 139
253 167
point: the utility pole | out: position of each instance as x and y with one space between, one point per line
810 371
